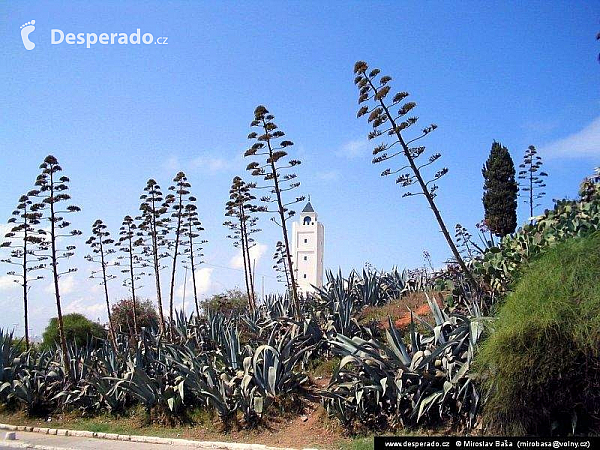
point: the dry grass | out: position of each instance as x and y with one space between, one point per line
399 310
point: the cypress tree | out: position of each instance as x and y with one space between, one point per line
500 191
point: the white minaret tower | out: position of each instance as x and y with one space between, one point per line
307 250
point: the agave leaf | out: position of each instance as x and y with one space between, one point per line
427 403
427 359
359 395
461 373
414 340
395 342
171 403
272 379
383 383
258 404
439 316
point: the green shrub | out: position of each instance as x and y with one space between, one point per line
78 329
542 361
501 266
122 315
231 302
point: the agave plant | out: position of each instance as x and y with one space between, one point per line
201 378
229 347
274 374
151 391
279 306
269 376
339 304
36 383
394 383
9 362
394 284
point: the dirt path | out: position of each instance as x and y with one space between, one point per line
404 321
310 429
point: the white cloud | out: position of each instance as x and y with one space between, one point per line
354 149
582 144
204 284
538 127
212 164
256 252
204 163
4 228
91 311
172 164
330 175
7 283
66 284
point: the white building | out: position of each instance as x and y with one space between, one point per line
307 250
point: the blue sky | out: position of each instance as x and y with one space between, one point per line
116 115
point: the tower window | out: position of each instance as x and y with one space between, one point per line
304 275
306 241
306 258
307 220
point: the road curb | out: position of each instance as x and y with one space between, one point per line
214 445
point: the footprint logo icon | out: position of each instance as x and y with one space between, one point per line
26 30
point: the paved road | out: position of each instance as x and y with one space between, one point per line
32 440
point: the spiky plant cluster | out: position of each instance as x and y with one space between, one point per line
102 247
240 208
271 164
25 240
246 364
391 121
532 178
503 264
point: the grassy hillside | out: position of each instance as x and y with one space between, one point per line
541 362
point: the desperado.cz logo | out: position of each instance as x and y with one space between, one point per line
89 39
58 37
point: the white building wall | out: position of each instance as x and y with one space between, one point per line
307 252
